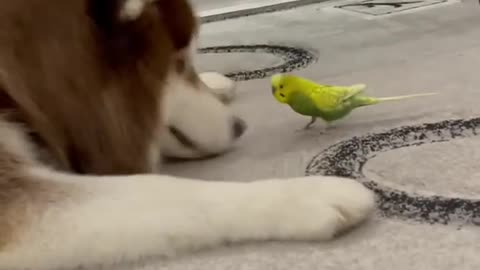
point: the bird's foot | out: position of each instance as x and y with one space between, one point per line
328 128
305 128
310 124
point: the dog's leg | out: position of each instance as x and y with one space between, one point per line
107 220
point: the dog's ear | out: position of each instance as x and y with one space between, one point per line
179 18
105 14
121 17
109 15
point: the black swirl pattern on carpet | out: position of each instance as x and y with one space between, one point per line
347 159
294 58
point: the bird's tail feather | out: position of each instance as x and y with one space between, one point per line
395 98
365 100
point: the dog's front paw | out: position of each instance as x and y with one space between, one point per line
317 208
219 85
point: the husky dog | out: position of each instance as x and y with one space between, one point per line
92 94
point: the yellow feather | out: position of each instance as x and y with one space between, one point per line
330 97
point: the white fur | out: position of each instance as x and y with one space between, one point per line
132 9
200 115
219 85
114 219
124 219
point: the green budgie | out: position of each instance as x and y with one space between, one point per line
328 102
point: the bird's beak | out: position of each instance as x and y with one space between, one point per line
273 89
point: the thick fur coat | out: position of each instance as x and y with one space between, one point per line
92 94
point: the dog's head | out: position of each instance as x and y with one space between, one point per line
197 121
109 84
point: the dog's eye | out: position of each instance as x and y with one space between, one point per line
181 137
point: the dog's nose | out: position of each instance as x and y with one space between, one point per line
238 128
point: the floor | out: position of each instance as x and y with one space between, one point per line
419 155
202 5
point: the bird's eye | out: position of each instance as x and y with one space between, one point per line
281 86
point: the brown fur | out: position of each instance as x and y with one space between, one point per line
22 198
96 106
13 189
184 67
87 85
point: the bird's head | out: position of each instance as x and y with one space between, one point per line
281 87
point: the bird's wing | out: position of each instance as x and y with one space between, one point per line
352 90
329 98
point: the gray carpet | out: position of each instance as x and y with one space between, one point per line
427 176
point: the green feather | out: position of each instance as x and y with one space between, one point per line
327 102
304 105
